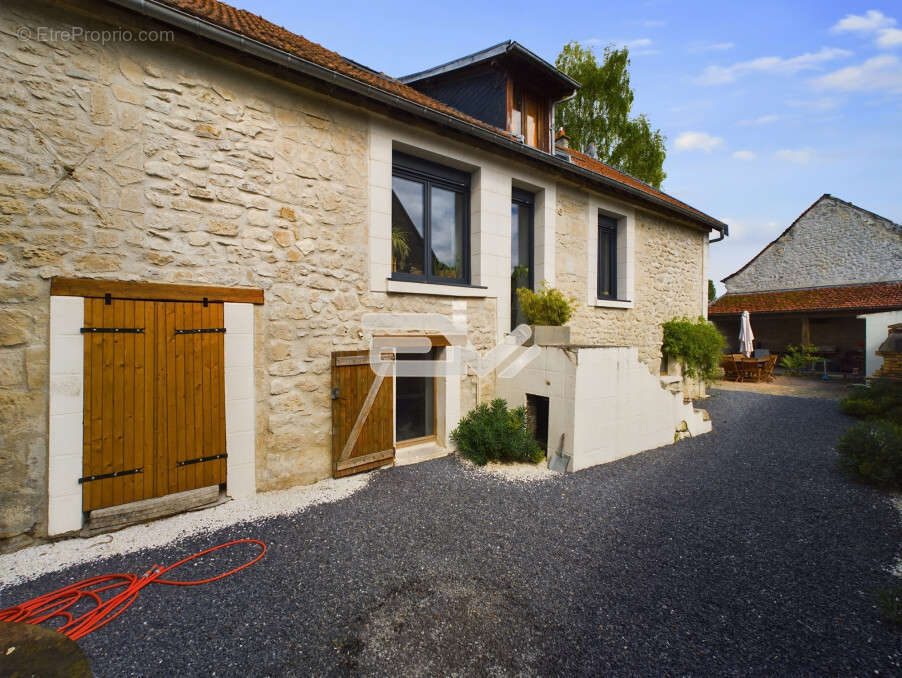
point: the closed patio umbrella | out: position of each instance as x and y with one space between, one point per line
746 336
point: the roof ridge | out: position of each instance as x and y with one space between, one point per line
814 287
254 32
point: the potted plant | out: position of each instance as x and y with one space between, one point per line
547 311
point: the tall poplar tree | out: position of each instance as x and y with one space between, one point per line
600 114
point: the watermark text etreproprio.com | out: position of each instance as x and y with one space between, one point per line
99 36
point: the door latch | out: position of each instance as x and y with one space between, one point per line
335 393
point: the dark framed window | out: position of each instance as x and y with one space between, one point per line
522 249
430 222
607 257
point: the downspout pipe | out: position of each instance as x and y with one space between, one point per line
224 36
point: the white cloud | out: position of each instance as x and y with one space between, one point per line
637 46
697 141
872 20
802 156
880 73
711 47
721 75
889 38
762 120
654 23
744 155
820 104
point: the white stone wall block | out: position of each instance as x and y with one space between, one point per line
64 514
241 483
66 434
239 415
239 349
63 479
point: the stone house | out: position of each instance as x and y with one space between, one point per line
197 210
833 279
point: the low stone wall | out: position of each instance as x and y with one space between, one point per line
603 404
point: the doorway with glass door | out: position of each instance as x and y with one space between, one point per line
415 404
522 218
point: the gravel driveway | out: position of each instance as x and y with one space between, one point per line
742 552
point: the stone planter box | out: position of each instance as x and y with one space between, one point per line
549 335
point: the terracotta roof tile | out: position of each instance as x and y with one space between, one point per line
257 28
846 297
599 167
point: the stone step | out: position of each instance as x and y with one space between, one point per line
117 517
413 454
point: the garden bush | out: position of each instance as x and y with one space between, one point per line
547 306
798 358
873 451
882 399
697 345
495 433
861 407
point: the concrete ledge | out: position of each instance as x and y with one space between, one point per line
116 517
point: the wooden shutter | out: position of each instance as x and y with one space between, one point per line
154 399
119 369
362 415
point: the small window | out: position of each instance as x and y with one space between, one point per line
607 257
430 222
522 217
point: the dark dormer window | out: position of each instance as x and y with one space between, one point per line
506 86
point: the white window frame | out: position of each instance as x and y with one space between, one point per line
626 254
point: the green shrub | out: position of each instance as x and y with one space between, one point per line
548 306
496 433
798 358
873 451
860 407
882 399
698 346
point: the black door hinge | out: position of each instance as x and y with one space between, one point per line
207 330
114 474
198 460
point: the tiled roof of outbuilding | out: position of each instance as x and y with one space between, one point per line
843 298
257 28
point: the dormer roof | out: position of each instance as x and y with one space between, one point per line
511 54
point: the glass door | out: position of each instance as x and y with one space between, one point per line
522 208
414 402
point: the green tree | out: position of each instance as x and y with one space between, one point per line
600 113
712 292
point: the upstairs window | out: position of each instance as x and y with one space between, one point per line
607 257
527 117
430 224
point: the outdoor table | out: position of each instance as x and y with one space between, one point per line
752 368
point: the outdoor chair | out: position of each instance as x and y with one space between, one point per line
730 369
769 367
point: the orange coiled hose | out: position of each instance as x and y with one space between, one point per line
57 603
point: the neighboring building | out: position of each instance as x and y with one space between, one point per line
832 279
234 199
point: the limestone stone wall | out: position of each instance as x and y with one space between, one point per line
150 162
668 278
834 243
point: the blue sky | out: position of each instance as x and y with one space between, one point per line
766 105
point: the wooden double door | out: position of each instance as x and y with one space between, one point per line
154 399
